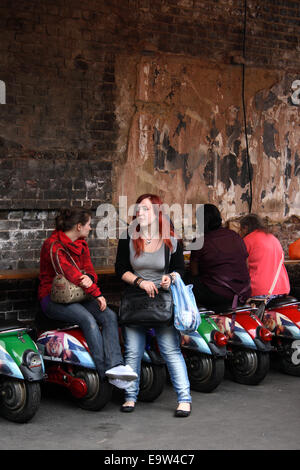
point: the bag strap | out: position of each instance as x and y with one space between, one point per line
262 307
276 276
167 258
261 310
236 294
57 259
235 298
52 260
235 304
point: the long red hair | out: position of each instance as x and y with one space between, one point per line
165 226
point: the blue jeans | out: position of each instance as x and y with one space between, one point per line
104 345
168 339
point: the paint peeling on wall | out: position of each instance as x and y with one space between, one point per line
186 137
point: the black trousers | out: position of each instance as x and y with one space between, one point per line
205 297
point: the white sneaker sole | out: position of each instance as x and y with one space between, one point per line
125 376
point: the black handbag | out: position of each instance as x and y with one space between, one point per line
138 309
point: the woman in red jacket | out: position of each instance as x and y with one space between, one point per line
72 227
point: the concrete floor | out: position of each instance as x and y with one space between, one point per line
235 416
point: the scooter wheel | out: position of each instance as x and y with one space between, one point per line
152 381
205 372
98 393
248 367
20 400
284 361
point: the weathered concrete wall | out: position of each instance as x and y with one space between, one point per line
184 135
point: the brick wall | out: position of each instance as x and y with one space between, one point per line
23 232
58 129
18 300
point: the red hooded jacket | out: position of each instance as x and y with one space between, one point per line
80 253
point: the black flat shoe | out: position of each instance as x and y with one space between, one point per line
183 413
127 409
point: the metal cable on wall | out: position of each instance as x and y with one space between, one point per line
244 105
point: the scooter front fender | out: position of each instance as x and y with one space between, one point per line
8 366
284 321
23 350
292 312
239 336
62 347
146 357
251 323
206 330
196 342
207 325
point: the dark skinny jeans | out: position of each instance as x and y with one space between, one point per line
104 345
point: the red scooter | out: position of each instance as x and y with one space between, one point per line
248 346
68 363
281 317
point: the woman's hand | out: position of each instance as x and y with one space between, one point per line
85 281
102 302
149 287
165 281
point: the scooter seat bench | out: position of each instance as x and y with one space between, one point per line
279 301
12 326
241 308
44 323
204 310
50 324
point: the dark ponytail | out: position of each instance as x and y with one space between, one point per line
68 218
212 218
253 222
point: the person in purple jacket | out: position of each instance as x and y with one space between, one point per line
219 269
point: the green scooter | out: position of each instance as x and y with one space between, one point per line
21 370
204 352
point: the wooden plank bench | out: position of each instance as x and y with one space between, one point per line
34 273
102 270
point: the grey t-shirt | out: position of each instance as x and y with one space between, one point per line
150 266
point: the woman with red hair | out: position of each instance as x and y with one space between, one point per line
141 262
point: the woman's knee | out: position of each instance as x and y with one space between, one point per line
110 314
86 321
108 317
169 342
134 343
